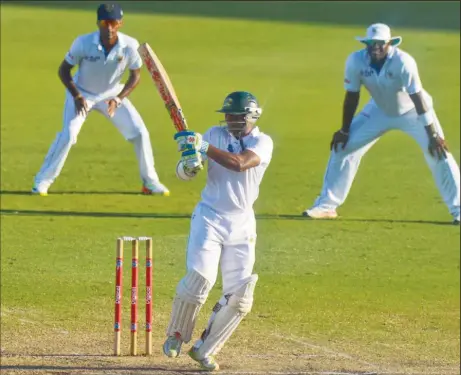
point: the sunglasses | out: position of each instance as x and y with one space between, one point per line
372 43
113 23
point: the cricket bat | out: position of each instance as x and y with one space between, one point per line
164 86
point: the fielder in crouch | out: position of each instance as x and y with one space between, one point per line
398 102
102 57
223 227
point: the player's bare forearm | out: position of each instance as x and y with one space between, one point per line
419 102
235 162
66 78
133 81
421 108
351 102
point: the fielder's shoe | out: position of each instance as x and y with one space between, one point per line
320 213
172 346
36 191
456 220
157 189
207 363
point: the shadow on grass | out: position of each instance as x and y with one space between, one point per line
137 215
150 215
55 355
443 15
103 370
72 192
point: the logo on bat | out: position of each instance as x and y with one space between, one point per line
162 83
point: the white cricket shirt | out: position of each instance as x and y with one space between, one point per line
97 74
230 192
391 88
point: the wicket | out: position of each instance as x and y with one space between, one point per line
134 294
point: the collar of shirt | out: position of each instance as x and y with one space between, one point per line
121 42
255 131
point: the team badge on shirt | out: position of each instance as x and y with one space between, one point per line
92 58
366 72
233 147
389 74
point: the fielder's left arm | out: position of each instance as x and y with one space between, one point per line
115 102
135 64
133 81
412 83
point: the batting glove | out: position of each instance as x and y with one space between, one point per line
189 140
192 161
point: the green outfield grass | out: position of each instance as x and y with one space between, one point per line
375 291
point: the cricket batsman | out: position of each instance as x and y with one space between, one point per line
223 227
398 101
102 57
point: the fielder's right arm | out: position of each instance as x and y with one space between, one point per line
352 85
73 57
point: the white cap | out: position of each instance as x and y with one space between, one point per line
380 31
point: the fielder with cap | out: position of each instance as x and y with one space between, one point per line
102 57
398 101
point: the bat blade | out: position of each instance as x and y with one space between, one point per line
164 86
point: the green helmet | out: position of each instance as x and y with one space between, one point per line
241 103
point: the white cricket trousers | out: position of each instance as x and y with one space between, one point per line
126 119
227 241
366 128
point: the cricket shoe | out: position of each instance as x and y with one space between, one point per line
320 213
172 346
207 363
41 192
155 189
456 220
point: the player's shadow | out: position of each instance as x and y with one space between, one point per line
137 215
442 15
360 220
151 215
94 369
72 192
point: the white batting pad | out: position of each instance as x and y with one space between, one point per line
226 317
191 294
